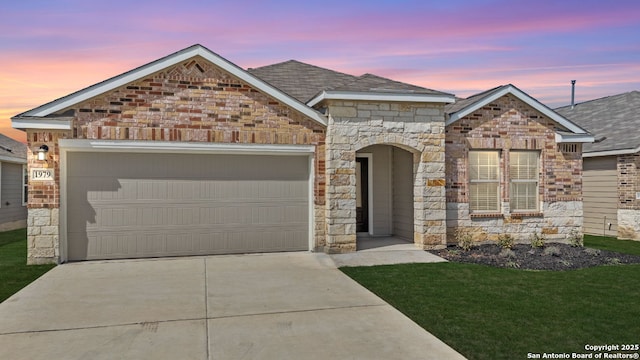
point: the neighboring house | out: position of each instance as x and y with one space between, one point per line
611 164
191 154
13 184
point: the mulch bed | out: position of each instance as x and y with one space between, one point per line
554 257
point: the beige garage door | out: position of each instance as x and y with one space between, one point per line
123 205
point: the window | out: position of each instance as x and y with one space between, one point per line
25 185
484 187
523 169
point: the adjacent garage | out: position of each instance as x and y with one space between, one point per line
138 205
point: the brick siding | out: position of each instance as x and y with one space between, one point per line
192 101
504 125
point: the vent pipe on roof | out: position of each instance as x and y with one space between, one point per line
573 93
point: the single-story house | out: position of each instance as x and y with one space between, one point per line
611 164
13 185
191 154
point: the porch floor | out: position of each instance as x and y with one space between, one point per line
383 243
384 251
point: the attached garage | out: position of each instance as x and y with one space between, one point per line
153 204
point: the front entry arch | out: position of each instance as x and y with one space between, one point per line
384 191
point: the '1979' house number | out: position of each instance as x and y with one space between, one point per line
42 174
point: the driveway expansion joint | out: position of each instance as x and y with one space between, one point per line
298 311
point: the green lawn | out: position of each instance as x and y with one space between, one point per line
14 272
494 313
607 243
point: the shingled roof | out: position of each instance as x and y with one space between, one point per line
12 150
463 103
299 80
614 120
303 81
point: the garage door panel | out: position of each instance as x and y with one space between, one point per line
149 205
131 244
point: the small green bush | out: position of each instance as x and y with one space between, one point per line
575 238
537 240
464 239
506 241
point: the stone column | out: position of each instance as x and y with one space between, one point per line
430 204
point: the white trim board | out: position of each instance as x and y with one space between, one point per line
183 147
39 123
611 152
161 64
574 138
382 96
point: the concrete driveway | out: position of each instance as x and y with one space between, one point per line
268 306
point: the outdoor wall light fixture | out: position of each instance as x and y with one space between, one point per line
42 152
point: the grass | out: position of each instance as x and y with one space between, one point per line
14 272
612 244
493 313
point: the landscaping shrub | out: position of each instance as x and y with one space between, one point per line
464 239
575 238
537 240
506 241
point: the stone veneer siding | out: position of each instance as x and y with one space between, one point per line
504 125
192 101
417 128
628 187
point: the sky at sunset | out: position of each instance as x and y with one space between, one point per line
50 48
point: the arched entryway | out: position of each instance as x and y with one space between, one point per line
385 176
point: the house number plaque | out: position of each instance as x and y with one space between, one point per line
42 174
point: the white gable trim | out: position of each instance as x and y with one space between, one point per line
574 138
39 123
176 58
510 89
382 96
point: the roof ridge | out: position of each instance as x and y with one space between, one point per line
302 63
403 83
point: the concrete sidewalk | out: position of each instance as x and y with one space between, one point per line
268 306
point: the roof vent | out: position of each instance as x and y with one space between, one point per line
573 94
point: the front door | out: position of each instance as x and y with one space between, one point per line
362 195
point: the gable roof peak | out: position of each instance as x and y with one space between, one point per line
29 119
466 106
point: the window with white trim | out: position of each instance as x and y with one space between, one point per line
484 181
25 185
523 172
